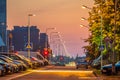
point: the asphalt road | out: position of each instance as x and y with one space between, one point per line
53 73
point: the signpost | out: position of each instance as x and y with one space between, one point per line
101 47
29 46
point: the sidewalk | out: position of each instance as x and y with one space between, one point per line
100 76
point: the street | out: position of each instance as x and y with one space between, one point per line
53 73
59 39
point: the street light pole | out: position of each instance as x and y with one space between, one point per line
101 38
46 38
28 46
113 63
52 34
101 25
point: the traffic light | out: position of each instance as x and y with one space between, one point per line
46 53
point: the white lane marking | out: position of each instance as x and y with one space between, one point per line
91 78
62 71
19 76
30 71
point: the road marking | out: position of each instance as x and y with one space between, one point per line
62 71
55 71
19 76
90 78
30 71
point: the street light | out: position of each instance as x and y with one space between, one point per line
101 24
82 18
81 25
58 44
28 45
52 34
65 49
47 29
84 7
58 38
46 38
113 63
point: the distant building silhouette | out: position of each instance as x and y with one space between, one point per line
3 44
43 41
20 38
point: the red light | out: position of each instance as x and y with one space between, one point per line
46 53
16 52
33 58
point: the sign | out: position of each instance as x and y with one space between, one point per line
101 47
28 46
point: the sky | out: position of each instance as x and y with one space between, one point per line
64 15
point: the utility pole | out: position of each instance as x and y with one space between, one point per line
113 63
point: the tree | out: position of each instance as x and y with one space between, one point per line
104 13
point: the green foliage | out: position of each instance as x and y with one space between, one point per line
102 15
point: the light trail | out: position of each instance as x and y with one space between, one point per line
63 71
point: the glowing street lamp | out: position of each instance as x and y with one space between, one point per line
82 18
28 46
81 25
84 7
47 29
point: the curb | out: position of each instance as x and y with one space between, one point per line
105 77
95 74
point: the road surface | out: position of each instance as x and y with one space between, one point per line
53 73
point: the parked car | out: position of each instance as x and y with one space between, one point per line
18 57
46 62
40 57
59 64
80 64
96 63
39 62
20 64
107 69
2 70
7 67
33 64
13 66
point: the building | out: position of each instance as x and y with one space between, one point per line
20 38
43 42
3 17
